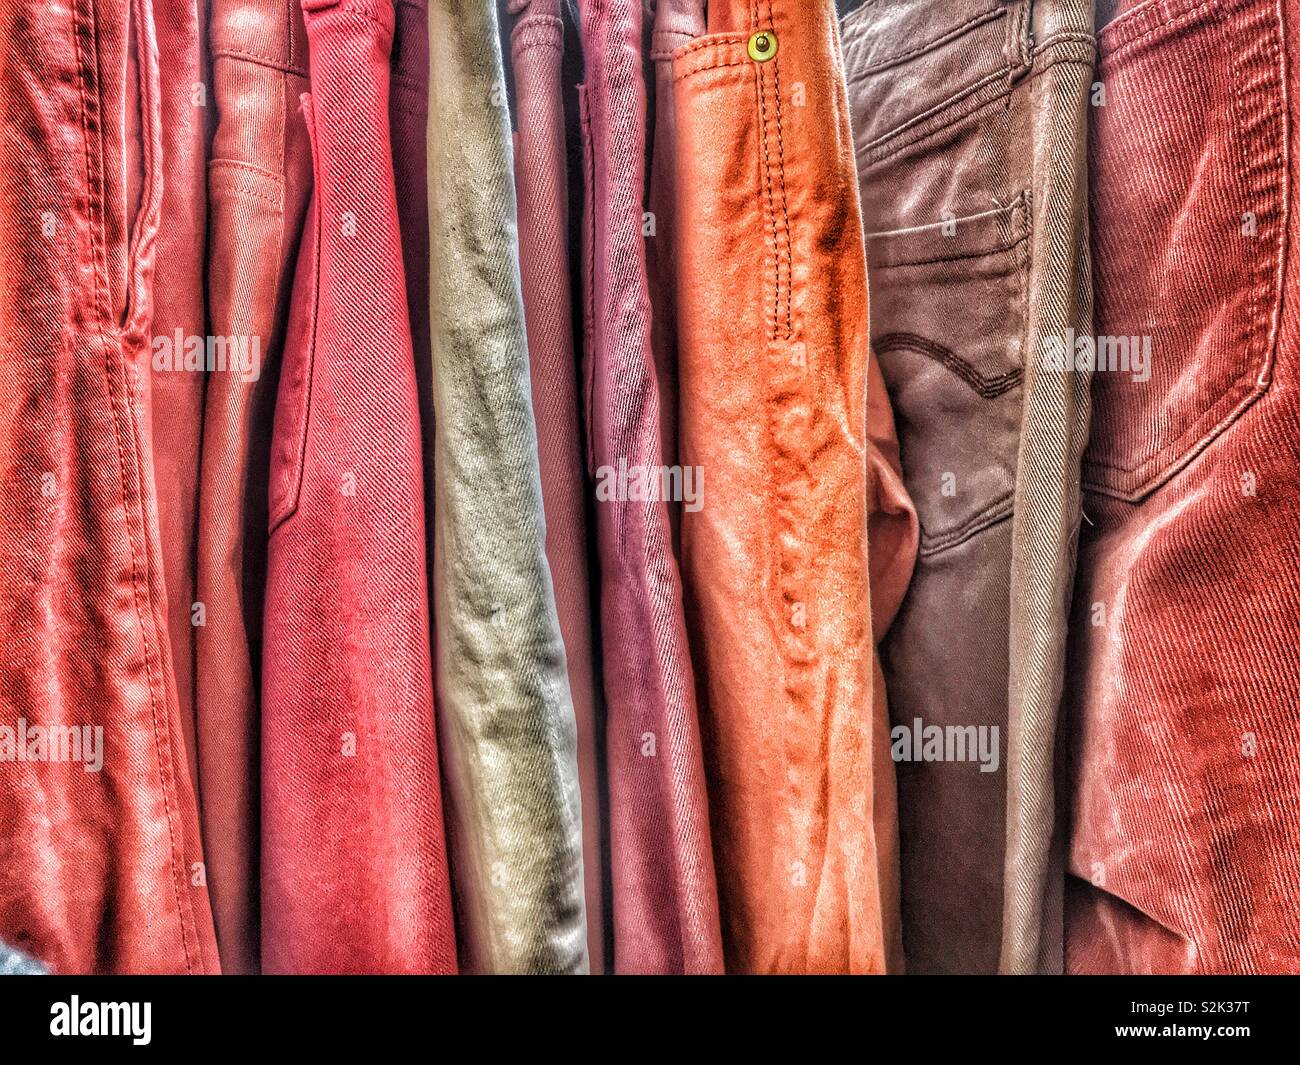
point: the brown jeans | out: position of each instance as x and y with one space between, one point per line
969 120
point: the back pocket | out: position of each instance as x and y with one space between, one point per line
1188 198
948 327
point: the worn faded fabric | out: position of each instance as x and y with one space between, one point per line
100 840
665 903
969 122
16 963
676 22
505 711
177 390
1184 851
541 176
354 869
259 181
1047 515
773 373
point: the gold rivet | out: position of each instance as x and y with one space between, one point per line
762 46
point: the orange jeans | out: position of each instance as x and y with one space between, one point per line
787 437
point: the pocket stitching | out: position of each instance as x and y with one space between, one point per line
994 513
1188 11
1149 473
1001 507
904 263
588 237
985 387
288 504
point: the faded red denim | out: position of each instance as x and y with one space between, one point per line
354 868
676 22
97 869
259 179
665 903
1185 668
185 118
541 177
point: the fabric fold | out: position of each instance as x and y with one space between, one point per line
786 432
505 709
259 181
665 904
354 867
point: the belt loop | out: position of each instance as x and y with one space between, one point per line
1020 38
1027 33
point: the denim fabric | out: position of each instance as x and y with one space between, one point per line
354 869
969 129
676 22
99 862
774 357
506 715
541 177
665 895
1047 514
259 181
176 406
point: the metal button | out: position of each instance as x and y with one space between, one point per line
762 46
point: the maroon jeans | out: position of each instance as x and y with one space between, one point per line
665 902
541 176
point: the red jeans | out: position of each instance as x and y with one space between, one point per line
100 864
354 870
259 179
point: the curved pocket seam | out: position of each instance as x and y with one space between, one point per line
1019 218
1237 399
241 177
994 513
986 387
288 504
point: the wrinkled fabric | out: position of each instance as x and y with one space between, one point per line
773 365
259 180
676 22
541 176
98 863
354 869
176 403
1185 673
893 536
1046 512
665 906
506 714
968 123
